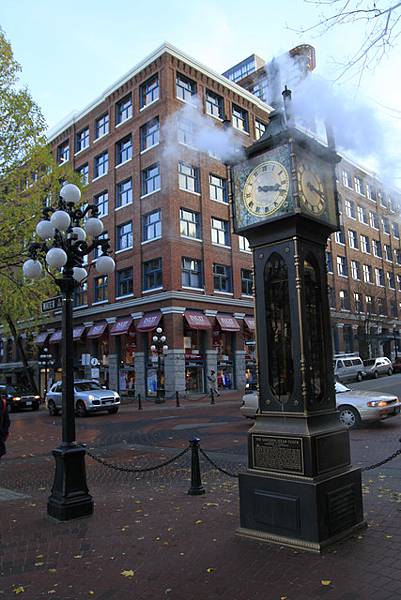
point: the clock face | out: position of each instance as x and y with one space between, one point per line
311 189
266 188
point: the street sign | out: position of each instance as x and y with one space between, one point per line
52 304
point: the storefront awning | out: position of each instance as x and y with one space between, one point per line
197 320
78 332
228 323
41 338
121 326
149 322
55 337
97 330
250 323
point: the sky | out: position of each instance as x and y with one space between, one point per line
71 52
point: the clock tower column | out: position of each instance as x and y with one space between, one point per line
300 488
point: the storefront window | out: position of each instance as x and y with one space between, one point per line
194 360
223 342
126 352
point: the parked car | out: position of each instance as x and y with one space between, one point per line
354 406
348 367
19 398
397 365
89 397
378 366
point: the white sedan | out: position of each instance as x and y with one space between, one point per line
353 406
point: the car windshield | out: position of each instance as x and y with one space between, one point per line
340 388
369 362
10 390
86 386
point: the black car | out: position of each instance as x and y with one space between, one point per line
19 398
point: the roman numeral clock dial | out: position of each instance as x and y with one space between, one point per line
311 189
266 188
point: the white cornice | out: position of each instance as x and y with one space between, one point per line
164 48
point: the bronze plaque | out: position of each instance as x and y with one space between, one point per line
282 454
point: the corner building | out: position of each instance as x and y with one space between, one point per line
178 263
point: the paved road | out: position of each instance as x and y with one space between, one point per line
385 384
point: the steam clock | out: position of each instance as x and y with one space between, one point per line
300 488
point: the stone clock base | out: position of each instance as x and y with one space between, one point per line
303 512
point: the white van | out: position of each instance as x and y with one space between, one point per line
348 367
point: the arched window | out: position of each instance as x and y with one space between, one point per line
314 330
277 299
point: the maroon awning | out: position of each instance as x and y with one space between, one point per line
197 320
228 323
250 323
78 332
149 322
121 326
55 337
97 330
41 338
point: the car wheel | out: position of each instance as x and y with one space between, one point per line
390 372
349 416
80 409
113 411
376 374
359 377
52 408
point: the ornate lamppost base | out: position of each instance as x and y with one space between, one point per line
69 498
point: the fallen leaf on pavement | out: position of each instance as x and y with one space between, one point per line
19 589
325 581
210 569
78 556
129 573
199 522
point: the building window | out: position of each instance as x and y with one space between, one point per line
149 91
386 225
191 273
365 244
393 309
222 278
332 297
81 295
63 153
391 280
374 220
83 172
358 185
340 237
377 248
124 150
186 88
124 109
150 134
152 274
396 230
381 307
398 256
214 105
371 192
185 132
342 267
188 177
243 244
151 226
124 282
369 305
218 188
355 269
124 193
247 282
358 302
98 250
190 225
379 276
82 140
240 118
102 125
367 274
101 164
383 200
101 201
100 288
124 236
346 177
260 128
344 299
363 215
150 179
387 252
399 283
220 232
350 209
329 262
353 239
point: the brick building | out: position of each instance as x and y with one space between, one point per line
178 263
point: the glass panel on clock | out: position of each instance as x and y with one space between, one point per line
314 332
277 302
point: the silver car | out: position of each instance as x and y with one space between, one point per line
378 366
354 406
89 397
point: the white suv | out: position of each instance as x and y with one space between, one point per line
374 367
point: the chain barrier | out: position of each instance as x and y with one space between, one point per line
382 462
132 469
215 465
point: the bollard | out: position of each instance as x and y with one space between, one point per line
196 488
211 396
177 400
139 402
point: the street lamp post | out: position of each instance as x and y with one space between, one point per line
159 346
63 246
46 361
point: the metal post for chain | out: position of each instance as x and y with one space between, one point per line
139 402
212 396
196 488
177 399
